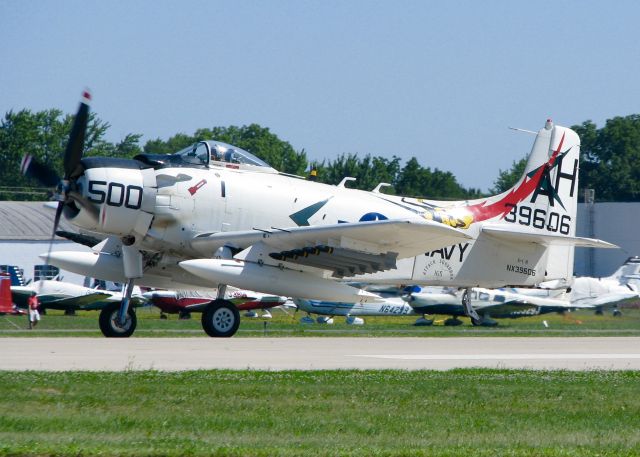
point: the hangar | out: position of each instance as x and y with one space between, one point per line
615 222
25 231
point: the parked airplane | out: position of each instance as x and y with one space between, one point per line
70 297
488 304
609 292
392 306
213 215
186 302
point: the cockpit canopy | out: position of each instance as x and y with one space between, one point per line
206 153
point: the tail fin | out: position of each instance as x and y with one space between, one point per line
6 302
15 273
628 271
544 201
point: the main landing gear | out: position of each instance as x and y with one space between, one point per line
469 311
220 319
110 324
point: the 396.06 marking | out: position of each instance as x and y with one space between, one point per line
539 218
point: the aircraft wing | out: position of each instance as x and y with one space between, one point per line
80 302
516 234
609 300
20 295
345 249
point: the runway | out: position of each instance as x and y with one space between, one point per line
175 354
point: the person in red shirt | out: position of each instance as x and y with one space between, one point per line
34 315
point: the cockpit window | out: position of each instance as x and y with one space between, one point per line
217 151
223 152
196 154
205 153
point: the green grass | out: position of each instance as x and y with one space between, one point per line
582 323
360 413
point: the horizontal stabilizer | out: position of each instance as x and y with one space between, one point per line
507 233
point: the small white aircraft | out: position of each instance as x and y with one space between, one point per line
392 306
602 293
70 297
213 215
487 303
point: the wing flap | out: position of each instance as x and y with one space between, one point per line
343 262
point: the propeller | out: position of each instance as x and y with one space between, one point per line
66 192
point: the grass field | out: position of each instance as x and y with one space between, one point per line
361 413
582 323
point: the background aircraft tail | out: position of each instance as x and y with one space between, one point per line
6 302
628 272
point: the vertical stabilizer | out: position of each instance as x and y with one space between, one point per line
545 198
6 302
628 272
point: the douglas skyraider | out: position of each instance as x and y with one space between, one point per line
213 215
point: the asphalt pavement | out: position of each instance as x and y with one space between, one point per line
267 353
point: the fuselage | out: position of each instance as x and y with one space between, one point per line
162 204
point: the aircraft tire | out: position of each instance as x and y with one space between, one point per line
108 326
452 322
220 319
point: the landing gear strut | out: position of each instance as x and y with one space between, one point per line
468 309
117 320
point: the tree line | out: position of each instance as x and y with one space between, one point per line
609 159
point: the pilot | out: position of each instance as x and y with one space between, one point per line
214 154
228 155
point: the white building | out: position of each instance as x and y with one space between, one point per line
617 223
25 233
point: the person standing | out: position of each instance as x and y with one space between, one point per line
34 315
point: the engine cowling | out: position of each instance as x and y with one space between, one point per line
122 191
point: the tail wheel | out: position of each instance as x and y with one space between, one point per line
109 325
220 319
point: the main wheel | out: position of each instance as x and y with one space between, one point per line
453 322
109 325
220 319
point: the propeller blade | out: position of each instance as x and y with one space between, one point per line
75 146
42 173
84 203
56 222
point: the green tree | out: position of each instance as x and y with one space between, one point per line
507 178
44 134
416 181
253 138
610 161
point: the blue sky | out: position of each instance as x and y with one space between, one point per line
440 81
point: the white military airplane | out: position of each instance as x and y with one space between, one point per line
215 215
